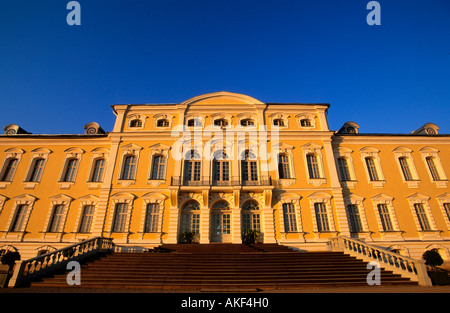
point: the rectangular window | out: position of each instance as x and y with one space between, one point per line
447 209
290 222
385 217
354 218
10 169
313 166
283 166
372 169
71 168
405 168
159 167
433 170
97 174
36 170
56 221
18 223
151 218
129 167
86 219
321 217
343 169
422 216
120 218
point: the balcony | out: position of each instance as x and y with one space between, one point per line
207 181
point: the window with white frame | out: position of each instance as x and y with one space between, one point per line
120 218
129 168
321 217
98 169
306 120
190 218
36 169
251 216
434 167
290 221
446 206
19 219
385 217
406 165
313 163
10 164
136 121
87 216
344 172
20 213
151 218
354 218
344 162
422 216
158 167
192 167
280 120
221 167
284 171
163 120
372 165
249 167
70 170
56 219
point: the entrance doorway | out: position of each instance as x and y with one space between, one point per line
220 223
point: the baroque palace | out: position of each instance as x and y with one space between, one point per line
217 165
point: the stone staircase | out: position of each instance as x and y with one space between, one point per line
217 267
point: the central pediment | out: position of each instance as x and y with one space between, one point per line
221 98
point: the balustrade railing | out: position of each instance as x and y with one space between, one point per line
407 267
28 269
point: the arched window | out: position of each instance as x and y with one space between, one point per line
221 122
136 123
278 122
247 122
162 123
251 216
249 167
221 168
305 123
190 218
192 167
158 167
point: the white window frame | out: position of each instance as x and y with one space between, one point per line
290 198
128 150
97 153
158 150
281 116
434 153
306 116
158 199
444 198
388 201
358 201
283 148
84 201
422 199
162 116
221 116
313 148
71 154
38 153
25 199
128 200
369 152
65 201
325 198
133 117
12 153
345 153
403 152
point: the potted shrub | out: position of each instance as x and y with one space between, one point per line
8 260
432 260
188 236
250 236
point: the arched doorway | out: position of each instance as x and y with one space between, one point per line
251 217
220 222
190 220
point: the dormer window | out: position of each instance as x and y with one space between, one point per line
136 123
247 122
305 123
194 123
278 122
163 123
221 122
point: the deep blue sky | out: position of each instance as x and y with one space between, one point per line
55 78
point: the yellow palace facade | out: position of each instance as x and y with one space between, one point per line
218 165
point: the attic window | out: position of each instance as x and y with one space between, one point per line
136 123
194 122
305 123
247 122
221 122
278 122
163 123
